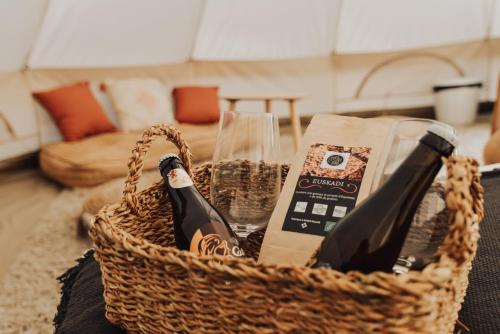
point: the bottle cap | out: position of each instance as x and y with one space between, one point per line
165 157
444 133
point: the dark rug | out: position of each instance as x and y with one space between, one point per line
82 303
481 309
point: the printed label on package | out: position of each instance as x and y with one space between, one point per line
327 188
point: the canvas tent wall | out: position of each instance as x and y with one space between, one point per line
345 55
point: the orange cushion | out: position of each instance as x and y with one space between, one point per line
76 111
196 105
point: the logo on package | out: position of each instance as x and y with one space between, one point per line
335 160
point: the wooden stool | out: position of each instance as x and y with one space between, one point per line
291 99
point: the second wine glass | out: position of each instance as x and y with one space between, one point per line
246 170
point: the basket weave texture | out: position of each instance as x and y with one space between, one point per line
152 287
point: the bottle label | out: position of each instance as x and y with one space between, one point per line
179 178
327 188
215 243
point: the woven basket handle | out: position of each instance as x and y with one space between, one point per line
464 195
136 160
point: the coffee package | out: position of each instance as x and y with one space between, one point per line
337 166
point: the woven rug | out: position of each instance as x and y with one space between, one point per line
29 292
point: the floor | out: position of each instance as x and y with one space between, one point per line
25 193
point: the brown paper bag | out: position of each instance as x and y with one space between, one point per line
336 167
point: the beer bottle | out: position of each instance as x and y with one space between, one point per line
198 227
371 236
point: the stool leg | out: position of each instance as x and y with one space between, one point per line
232 105
295 120
495 120
267 106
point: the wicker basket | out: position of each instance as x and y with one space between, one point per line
152 287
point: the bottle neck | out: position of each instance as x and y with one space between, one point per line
418 170
175 176
178 183
415 174
172 164
438 144
187 202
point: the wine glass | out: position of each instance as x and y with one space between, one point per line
429 226
407 134
246 171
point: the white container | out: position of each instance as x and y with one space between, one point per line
456 100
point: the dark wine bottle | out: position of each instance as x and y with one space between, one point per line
198 227
371 236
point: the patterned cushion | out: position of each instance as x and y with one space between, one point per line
139 103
